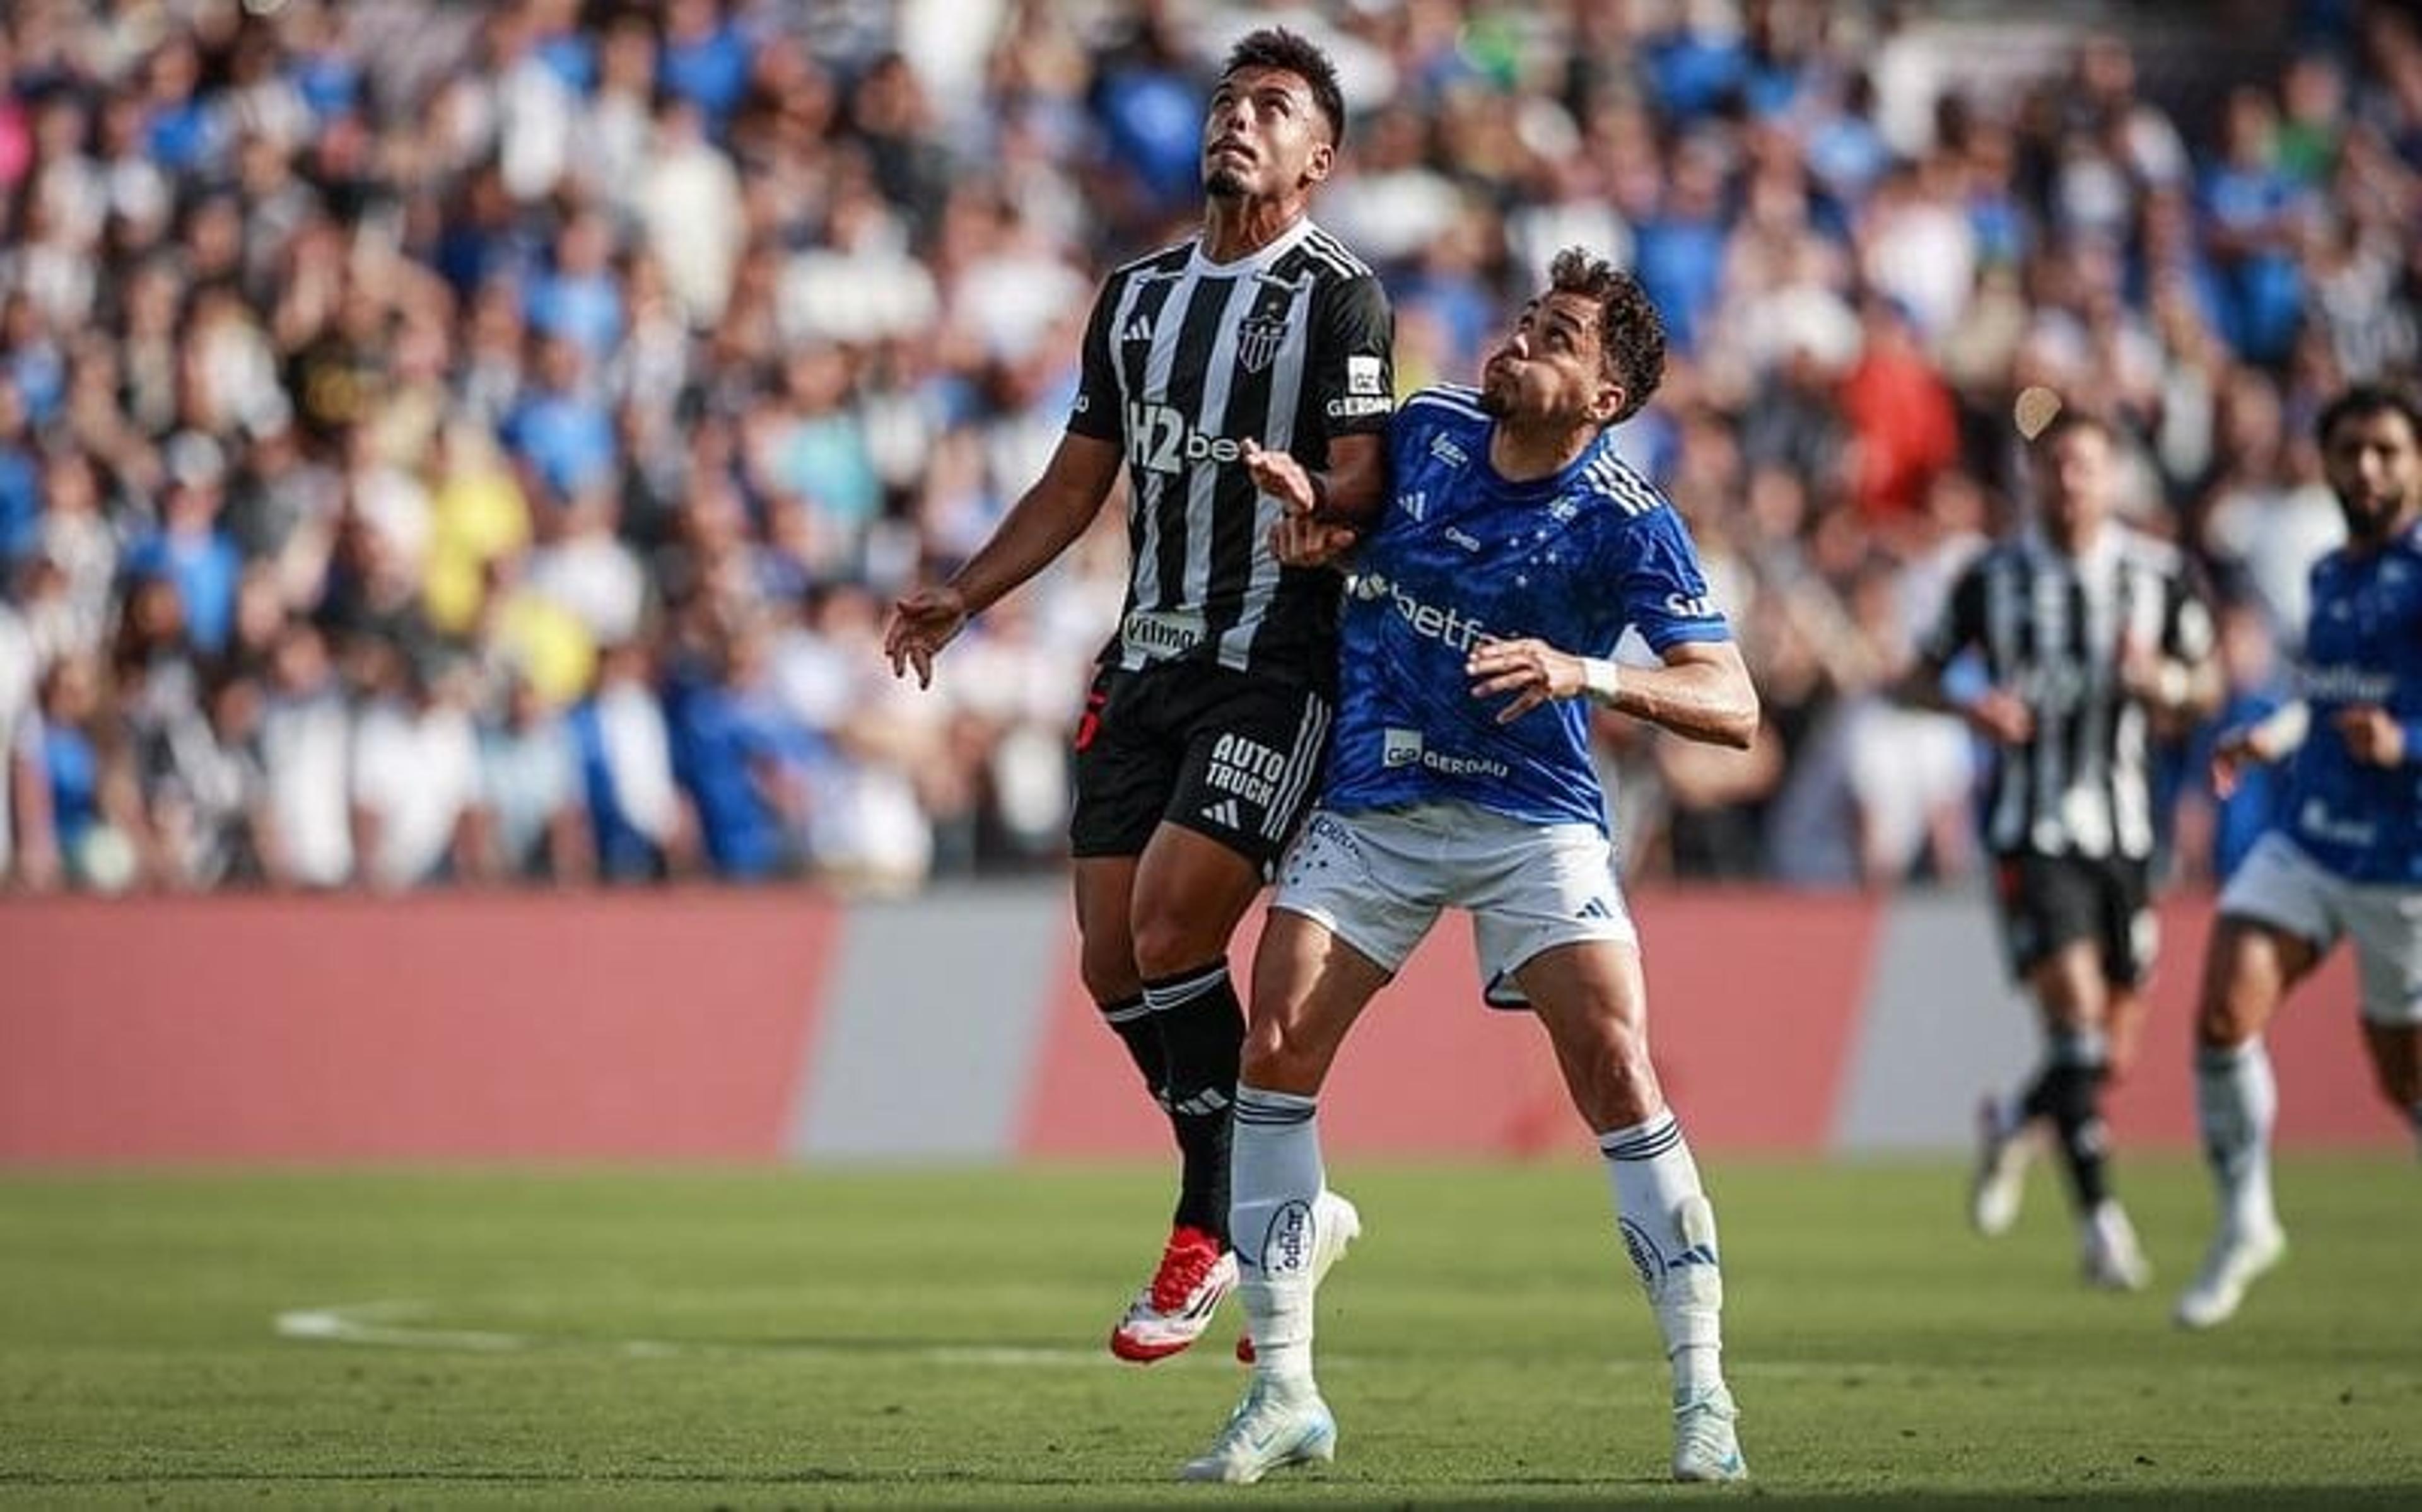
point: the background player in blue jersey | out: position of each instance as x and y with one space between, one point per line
1482 614
2346 858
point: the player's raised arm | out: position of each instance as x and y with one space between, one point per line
1045 521
2271 737
1703 691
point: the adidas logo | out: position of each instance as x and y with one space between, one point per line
1225 815
1203 1104
1139 328
1596 909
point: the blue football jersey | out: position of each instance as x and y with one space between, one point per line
2363 645
1459 555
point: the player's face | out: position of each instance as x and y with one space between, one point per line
2079 473
2374 465
1551 368
1265 136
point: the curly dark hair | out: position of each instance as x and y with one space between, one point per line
1275 47
2364 400
1630 332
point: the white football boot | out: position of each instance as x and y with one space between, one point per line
1706 1446
2231 1265
2000 1182
1271 1427
2110 1257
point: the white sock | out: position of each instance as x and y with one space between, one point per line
1670 1232
2238 1102
1274 1178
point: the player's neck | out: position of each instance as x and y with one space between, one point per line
1235 226
2371 543
1524 454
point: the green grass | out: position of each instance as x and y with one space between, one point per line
785 1339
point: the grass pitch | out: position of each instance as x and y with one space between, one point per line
776 1338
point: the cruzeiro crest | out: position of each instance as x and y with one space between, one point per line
1258 340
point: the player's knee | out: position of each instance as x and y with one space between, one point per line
1282 1057
2227 1013
1110 976
1614 1081
1167 942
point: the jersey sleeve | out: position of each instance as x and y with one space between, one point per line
1353 362
1095 409
1665 595
1961 623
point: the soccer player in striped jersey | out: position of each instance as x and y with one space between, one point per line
2089 637
1205 727
1481 618
2345 858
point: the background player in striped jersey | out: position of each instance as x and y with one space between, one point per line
2087 636
2345 858
1516 549
1205 728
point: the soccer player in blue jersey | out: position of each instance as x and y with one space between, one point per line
2345 858
1482 614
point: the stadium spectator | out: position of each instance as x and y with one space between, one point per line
342 243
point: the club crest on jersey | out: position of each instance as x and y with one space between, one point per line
1258 340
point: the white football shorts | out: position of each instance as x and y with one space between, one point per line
2278 884
1377 880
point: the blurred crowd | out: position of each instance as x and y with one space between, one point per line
472 443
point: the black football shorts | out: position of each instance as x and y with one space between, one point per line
1229 755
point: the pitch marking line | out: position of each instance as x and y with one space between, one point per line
393 1324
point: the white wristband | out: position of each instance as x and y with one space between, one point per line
2172 685
1600 678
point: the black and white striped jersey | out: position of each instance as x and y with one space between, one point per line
2055 631
1184 358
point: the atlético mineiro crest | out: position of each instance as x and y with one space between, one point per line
1258 340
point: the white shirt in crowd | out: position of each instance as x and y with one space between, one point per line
418 773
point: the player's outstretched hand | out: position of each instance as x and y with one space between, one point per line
1299 540
1533 671
2002 716
2232 753
922 622
1281 478
2372 734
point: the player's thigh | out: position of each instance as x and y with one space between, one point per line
1309 986
1126 766
2385 924
1104 887
1190 893
1530 889
2127 934
1252 752
1369 880
1591 999
2396 1051
2046 905
2276 918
